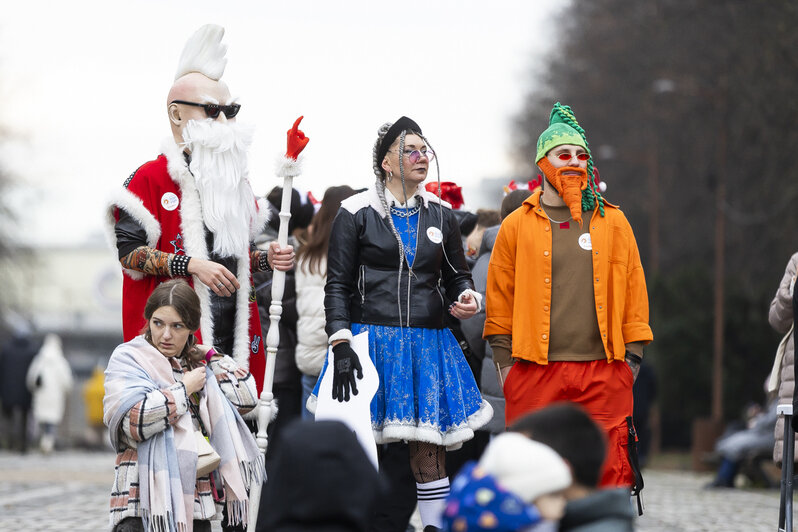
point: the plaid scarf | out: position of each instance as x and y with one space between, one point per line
167 462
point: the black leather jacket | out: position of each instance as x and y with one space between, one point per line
363 281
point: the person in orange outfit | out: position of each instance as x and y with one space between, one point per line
567 306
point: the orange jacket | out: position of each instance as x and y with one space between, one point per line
521 265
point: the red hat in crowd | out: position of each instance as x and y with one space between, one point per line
450 192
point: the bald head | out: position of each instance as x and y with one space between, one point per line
197 88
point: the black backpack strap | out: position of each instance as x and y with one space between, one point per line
632 446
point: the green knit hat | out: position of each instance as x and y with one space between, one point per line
564 129
559 131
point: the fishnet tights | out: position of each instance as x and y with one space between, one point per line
427 461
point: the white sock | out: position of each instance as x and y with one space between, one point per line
432 500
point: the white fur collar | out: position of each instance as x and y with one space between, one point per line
370 198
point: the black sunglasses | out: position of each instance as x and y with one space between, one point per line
212 110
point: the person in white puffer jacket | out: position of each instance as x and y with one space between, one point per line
311 276
49 379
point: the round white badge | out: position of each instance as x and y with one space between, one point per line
584 241
169 201
434 234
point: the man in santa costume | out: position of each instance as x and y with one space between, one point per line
191 212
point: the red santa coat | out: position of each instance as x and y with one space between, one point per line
161 195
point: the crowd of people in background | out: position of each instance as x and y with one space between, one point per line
508 342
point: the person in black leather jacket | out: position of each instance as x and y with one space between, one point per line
395 268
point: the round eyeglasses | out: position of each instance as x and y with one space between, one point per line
415 155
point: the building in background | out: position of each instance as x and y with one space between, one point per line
74 291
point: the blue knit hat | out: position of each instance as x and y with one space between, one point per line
477 503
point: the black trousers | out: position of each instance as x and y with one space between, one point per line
289 398
15 428
471 450
397 503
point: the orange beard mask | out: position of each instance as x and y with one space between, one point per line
570 187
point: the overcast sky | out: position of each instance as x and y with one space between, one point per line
84 83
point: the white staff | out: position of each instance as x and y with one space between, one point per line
288 168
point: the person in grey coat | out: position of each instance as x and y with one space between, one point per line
472 329
733 448
781 319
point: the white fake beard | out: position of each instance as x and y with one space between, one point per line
219 166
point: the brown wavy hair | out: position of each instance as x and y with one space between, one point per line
179 295
318 241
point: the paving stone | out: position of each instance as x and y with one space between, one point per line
678 502
69 491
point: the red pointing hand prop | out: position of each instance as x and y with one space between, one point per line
296 140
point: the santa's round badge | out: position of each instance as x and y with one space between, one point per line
169 201
434 234
584 241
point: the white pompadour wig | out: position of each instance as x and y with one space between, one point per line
204 53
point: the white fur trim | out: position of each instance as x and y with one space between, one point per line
311 403
131 204
288 167
398 430
191 227
343 334
253 414
174 155
193 230
261 218
370 198
241 342
204 53
361 200
476 295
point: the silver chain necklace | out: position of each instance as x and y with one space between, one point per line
555 221
404 213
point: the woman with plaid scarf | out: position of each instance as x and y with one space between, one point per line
159 389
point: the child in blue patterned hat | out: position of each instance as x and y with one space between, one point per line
516 486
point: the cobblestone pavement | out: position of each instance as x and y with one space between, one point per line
69 491
677 502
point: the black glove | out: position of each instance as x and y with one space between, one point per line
345 362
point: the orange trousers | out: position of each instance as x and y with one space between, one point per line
603 389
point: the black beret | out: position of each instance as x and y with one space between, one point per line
394 131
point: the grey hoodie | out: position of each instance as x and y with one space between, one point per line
607 510
472 329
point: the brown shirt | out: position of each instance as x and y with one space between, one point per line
574 332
